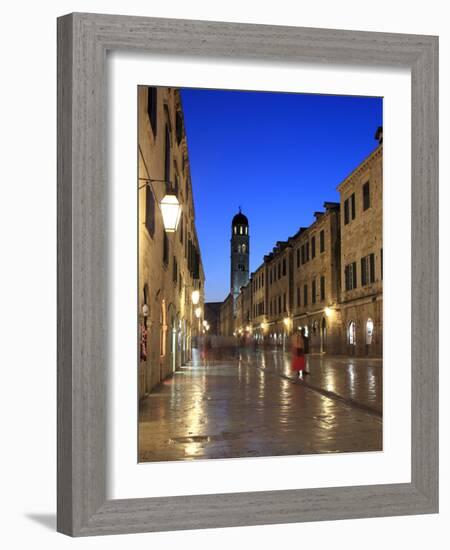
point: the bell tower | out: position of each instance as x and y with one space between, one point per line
240 253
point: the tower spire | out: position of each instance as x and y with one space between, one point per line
240 240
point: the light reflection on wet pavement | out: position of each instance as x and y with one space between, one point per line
249 407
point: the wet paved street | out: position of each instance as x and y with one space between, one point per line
249 406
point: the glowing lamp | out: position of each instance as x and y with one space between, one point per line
171 213
195 297
328 311
198 312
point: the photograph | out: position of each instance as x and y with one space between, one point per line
260 274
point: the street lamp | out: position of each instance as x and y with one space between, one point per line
328 311
171 212
195 297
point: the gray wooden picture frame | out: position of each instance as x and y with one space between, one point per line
83 41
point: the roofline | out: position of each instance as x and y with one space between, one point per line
360 166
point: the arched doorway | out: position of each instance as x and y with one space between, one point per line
351 337
162 338
145 381
315 337
369 335
323 335
172 339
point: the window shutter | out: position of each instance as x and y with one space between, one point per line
363 272
167 157
372 268
354 275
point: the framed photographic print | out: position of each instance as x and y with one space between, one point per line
247 259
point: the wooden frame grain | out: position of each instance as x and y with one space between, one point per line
83 41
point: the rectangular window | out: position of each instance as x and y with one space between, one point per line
284 302
322 288
364 271
366 195
368 269
381 262
149 210
262 279
313 291
307 251
303 253
179 126
346 215
167 157
181 228
165 248
284 267
175 270
298 296
350 276
313 247
305 295
279 303
298 257
353 206
322 241
372 267
270 276
279 270
151 107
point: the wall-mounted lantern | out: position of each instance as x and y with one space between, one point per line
171 212
195 297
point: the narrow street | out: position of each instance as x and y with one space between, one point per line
251 405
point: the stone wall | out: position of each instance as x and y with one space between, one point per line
170 265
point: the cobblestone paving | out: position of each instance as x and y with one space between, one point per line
355 380
248 407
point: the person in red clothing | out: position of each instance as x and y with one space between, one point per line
298 353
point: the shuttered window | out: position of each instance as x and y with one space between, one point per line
322 241
149 211
151 107
366 195
350 276
167 156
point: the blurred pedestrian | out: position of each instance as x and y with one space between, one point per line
298 353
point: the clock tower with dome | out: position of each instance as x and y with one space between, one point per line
240 254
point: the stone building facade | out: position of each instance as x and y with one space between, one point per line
243 314
170 266
227 321
326 279
361 299
279 294
316 277
258 289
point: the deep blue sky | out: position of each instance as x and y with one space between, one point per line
278 156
